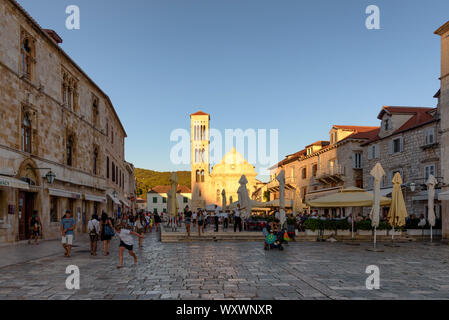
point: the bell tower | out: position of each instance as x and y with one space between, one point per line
199 157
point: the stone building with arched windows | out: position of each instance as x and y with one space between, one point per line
54 118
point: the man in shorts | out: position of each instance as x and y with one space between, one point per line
67 231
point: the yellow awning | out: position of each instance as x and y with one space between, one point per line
350 197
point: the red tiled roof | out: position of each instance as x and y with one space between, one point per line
401 110
420 117
319 143
360 132
164 189
53 35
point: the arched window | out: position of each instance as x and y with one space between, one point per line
69 150
203 156
95 160
218 196
202 175
197 176
194 133
26 134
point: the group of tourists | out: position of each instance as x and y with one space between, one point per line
101 228
201 218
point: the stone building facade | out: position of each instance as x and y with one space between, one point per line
325 166
443 105
409 143
53 119
207 185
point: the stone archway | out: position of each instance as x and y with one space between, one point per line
27 171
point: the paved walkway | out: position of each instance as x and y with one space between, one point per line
221 270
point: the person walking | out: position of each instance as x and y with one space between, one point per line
200 223
194 218
94 230
105 238
157 221
67 231
237 219
188 221
35 224
126 242
225 220
140 229
216 217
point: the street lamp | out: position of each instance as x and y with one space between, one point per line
115 194
412 187
50 176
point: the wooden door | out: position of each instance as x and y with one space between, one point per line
26 206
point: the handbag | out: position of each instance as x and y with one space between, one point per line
108 231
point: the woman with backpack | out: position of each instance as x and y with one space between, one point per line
106 232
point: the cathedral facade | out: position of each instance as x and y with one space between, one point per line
207 185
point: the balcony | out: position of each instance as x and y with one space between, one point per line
290 184
331 174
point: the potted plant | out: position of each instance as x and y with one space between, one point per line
364 228
312 226
343 227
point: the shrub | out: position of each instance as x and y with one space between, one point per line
364 225
312 224
330 224
343 224
383 225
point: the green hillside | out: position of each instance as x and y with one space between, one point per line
147 179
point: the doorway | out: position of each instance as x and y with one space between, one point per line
26 207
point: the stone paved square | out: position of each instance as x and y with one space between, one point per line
228 270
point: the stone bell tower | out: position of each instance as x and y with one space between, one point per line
199 157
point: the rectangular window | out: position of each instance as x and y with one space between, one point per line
396 145
53 209
357 160
314 169
428 171
185 200
164 200
430 136
113 171
304 173
107 167
154 199
116 175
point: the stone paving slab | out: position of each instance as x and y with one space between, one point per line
228 270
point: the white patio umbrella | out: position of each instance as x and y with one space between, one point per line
281 179
431 183
377 172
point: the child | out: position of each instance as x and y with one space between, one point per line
126 242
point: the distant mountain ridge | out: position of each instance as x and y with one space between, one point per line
147 179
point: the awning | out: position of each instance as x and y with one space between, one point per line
423 196
125 203
64 193
13 183
443 195
349 197
115 200
386 192
90 197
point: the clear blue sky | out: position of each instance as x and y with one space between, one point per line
299 66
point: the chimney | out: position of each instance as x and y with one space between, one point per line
54 35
